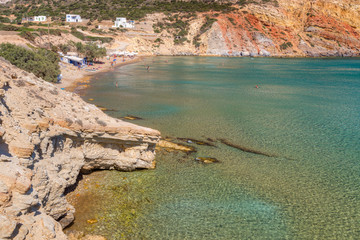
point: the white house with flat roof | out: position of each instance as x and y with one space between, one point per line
39 18
73 18
121 22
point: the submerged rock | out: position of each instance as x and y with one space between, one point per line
198 142
171 146
206 160
75 235
104 109
130 117
245 149
91 221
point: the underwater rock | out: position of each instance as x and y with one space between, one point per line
76 235
171 146
104 109
206 160
91 221
131 117
245 149
198 142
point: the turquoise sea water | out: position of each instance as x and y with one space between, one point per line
306 112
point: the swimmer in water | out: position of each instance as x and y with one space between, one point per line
148 67
256 86
116 84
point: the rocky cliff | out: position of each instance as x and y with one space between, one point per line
289 28
47 137
266 28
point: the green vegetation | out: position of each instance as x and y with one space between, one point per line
41 62
4 20
4 27
159 40
110 9
28 36
206 26
177 24
232 21
245 2
64 48
90 50
286 45
30 33
84 37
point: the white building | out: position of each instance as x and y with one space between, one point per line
39 18
73 18
121 22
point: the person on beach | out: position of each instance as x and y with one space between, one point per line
59 77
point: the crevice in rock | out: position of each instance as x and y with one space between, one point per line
5 105
16 231
4 149
72 188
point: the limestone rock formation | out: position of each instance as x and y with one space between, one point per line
51 135
21 213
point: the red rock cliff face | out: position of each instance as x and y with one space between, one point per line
289 28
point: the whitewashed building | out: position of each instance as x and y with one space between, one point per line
39 18
121 22
73 18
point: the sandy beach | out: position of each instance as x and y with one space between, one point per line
72 76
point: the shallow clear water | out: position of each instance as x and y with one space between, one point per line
306 112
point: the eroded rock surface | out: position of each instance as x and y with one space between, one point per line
52 135
21 213
314 28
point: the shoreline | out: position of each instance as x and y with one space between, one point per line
75 80
257 56
72 76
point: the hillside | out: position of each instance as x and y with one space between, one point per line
231 28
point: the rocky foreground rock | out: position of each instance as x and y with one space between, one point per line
48 136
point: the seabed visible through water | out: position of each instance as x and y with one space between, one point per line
298 178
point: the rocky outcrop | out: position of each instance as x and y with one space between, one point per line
53 135
286 28
294 28
312 28
21 212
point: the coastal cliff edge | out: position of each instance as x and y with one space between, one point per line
47 137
